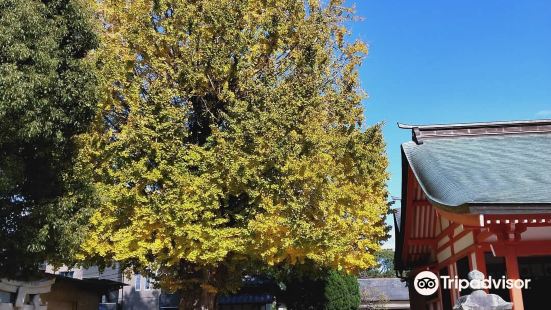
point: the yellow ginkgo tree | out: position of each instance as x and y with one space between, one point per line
230 133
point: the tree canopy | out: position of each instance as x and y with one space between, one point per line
384 267
47 97
232 131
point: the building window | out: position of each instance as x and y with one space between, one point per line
137 282
495 267
148 283
463 272
5 297
445 293
68 274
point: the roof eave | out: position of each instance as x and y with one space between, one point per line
509 208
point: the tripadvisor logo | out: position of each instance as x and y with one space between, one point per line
426 283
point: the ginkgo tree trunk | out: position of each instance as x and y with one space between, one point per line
231 133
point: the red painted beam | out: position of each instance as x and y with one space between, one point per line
525 248
430 242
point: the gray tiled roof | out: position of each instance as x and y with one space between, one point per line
389 289
482 170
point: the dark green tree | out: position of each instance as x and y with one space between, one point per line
47 97
341 292
328 290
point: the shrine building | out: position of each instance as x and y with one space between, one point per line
477 196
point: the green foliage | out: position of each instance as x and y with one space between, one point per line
342 292
384 267
303 290
330 290
47 97
232 131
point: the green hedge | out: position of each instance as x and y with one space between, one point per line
332 290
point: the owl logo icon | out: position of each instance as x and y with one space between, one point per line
425 283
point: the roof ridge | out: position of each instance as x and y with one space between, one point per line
478 124
420 132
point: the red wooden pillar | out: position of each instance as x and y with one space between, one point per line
481 261
511 263
454 293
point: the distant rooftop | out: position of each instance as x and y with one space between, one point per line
389 289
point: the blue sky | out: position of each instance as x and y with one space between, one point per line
452 61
